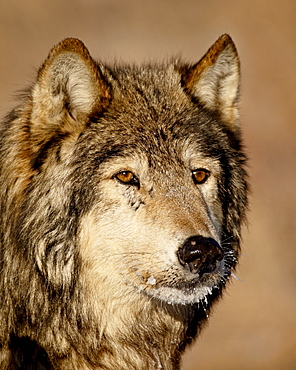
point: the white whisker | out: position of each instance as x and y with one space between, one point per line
236 278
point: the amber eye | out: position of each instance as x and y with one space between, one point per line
127 178
200 175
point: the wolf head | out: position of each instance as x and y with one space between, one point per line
132 178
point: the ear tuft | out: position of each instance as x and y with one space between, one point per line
69 82
215 80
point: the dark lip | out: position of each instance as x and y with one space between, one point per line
208 279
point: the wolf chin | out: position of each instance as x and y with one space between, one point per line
123 190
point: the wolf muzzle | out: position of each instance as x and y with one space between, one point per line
200 255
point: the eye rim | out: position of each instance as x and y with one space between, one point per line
129 181
206 173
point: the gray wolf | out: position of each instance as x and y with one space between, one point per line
123 191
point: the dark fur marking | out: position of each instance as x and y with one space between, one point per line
54 142
28 355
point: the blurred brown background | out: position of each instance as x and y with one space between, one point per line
254 327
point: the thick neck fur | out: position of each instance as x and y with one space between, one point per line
138 336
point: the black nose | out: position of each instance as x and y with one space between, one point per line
200 255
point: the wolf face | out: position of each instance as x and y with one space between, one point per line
150 204
124 190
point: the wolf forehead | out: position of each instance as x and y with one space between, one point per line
146 102
149 107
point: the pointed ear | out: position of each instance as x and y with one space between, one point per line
70 86
215 80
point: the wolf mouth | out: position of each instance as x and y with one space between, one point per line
184 296
186 291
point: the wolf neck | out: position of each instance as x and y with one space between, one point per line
146 338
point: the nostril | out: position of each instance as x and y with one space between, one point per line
200 255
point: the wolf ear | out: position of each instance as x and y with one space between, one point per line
215 80
70 85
